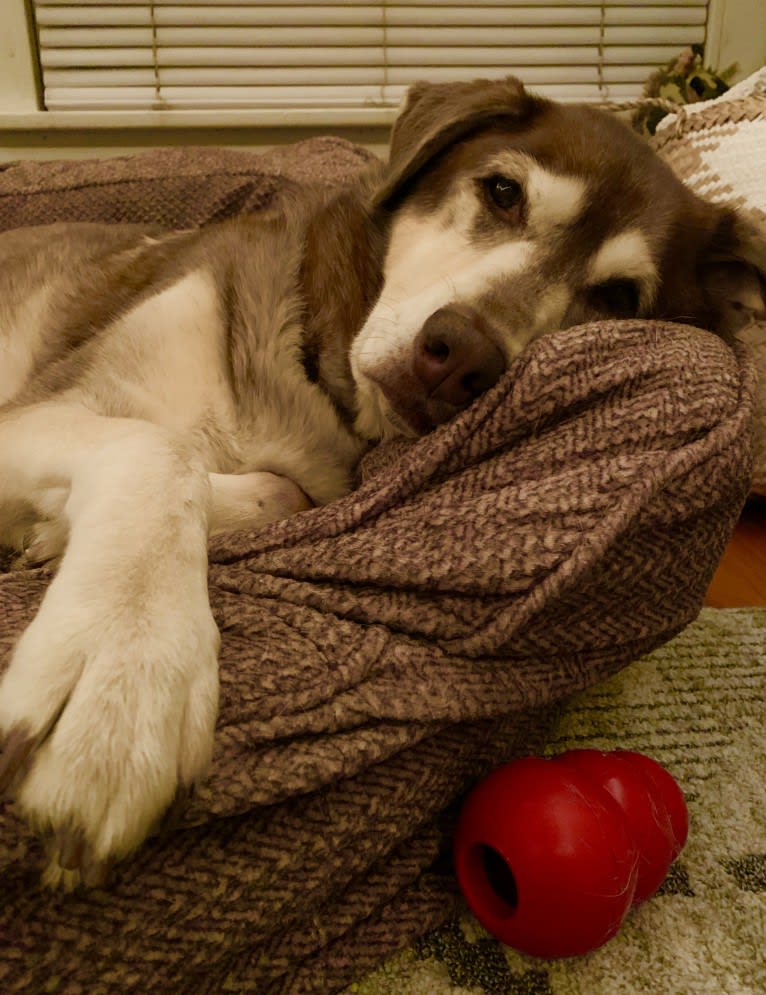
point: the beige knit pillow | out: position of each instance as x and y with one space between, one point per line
718 147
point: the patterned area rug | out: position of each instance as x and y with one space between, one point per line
698 705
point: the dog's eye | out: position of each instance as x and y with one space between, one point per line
506 195
616 297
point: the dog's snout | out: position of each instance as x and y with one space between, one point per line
455 360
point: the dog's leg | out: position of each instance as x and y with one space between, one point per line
237 501
247 500
110 699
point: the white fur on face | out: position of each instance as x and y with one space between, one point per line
549 312
435 260
626 256
552 199
429 265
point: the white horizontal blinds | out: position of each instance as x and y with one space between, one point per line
338 53
576 51
211 54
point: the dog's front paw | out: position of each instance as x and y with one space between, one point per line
107 715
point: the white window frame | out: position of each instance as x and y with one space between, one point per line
735 32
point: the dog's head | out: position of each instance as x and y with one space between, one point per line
512 216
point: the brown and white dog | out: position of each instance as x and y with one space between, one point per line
155 388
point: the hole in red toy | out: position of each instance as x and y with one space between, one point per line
502 884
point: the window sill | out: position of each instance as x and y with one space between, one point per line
293 117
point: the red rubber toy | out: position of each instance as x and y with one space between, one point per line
552 854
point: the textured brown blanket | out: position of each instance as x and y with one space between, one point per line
179 188
382 652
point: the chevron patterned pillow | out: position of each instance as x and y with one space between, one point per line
718 147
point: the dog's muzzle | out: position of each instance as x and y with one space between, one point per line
455 361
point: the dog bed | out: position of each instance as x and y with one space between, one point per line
381 653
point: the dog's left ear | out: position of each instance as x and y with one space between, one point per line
435 115
734 272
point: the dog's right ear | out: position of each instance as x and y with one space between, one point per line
435 115
734 271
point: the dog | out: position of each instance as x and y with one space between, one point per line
157 387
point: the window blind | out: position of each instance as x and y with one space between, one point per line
219 54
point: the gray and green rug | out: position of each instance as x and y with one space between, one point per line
698 705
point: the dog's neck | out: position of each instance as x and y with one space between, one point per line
341 278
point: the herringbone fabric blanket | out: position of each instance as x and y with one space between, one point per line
381 653
174 187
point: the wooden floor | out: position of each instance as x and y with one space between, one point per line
741 577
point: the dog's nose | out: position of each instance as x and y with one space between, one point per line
454 360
